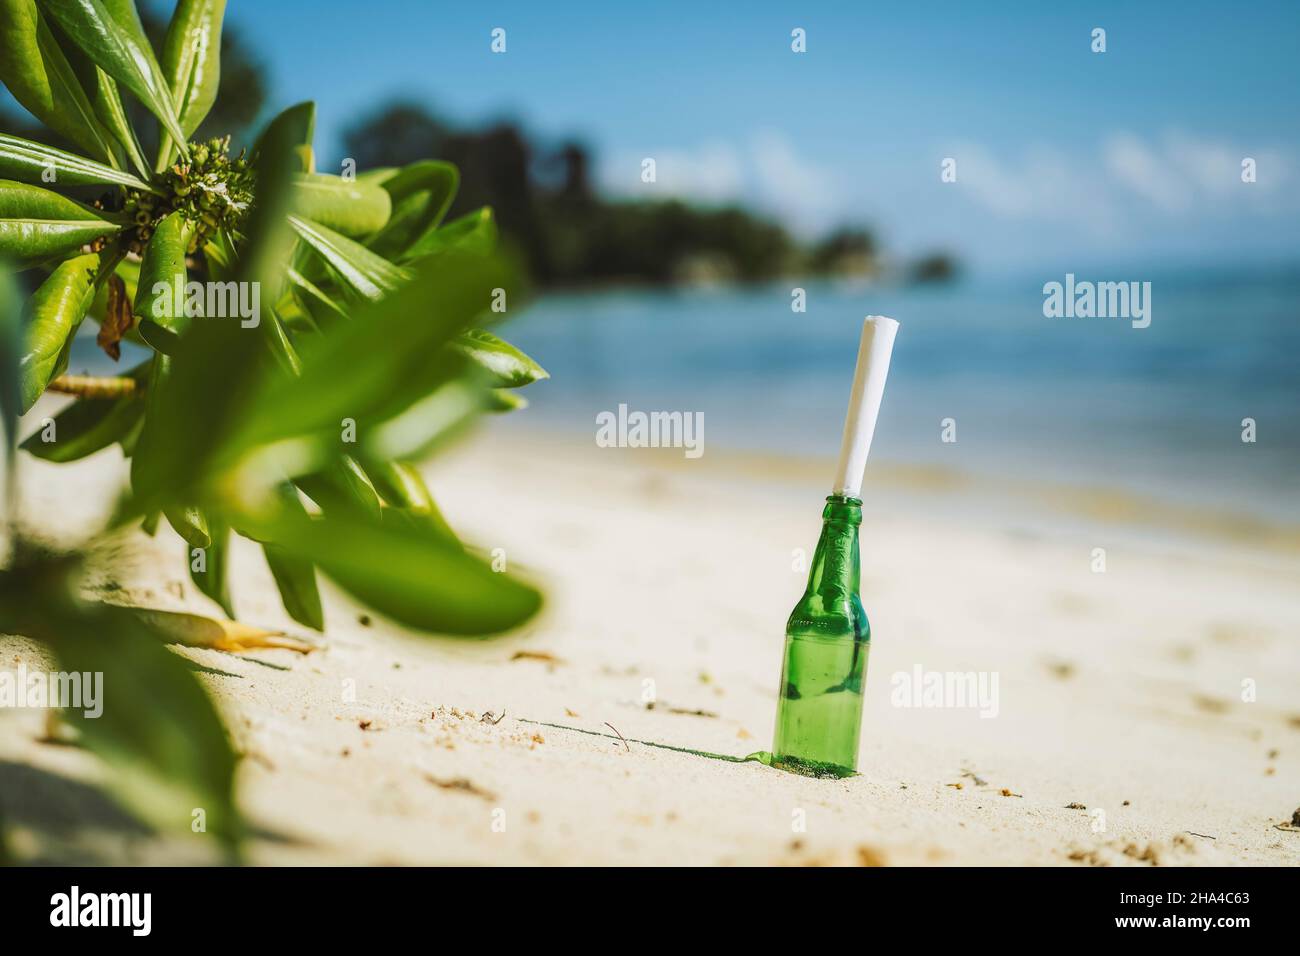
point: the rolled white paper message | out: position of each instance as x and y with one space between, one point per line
864 403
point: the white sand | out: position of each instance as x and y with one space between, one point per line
1120 691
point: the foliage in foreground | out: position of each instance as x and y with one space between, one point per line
295 426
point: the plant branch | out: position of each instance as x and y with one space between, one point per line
94 386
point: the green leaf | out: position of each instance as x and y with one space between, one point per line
267 242
158 734
421 195
36 224
411 574
504 400
191 62
29 162
401 339
158 337
220 253
55 311
110 33
191 524
127 441
161 740
36 71
10 396
213 580
217 364
312 300
508 366
295 316
473 232
429 423
368 275
296 126
295 577
343 484
151 458
106 101
279 343
108 107
403 488
350 207
87 426
378 175
162 283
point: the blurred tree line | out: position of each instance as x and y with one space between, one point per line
546 204
568 234
543 198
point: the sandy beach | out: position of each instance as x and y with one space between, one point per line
1119 734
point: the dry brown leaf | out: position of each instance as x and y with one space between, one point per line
196 630
117 318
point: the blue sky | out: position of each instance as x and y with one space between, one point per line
1064 156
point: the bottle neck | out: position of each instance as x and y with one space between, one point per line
834 574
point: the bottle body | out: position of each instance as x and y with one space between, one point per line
819 713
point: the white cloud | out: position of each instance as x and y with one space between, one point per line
1177 175
765 171
799 191
712 173
1144 171
1209 167
1045 183
1181 171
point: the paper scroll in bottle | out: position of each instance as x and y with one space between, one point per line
864 403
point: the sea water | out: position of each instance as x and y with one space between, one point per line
1155 412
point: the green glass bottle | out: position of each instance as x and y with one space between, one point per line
819 708
819 716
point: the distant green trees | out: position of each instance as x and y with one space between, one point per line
845 250
569 235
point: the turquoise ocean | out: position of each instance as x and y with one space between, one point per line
1155 411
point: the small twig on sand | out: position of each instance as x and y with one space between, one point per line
463 784
1203 836
546 657
691 713
620 736
760 756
